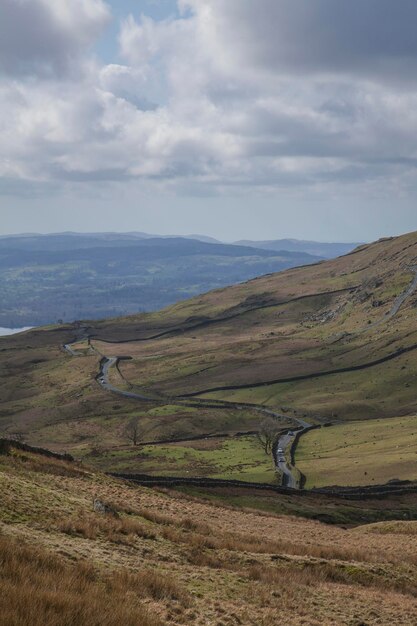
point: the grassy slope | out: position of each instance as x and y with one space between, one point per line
277 326
360 453
175 560
294 339
240 459
53 400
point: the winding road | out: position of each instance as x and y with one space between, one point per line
403 297
103 381
283 455
281 460
67 348
283 447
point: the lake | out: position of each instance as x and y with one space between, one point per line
13 331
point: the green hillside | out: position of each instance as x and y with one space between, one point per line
331 342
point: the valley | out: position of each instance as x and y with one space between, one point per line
245 452
61 277
331 343
208 313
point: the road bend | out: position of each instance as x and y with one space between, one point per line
282 456
103 381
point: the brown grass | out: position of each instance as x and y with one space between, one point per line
187 561
208 538
40 589
32 462
202 536
116 530
313 574
151 583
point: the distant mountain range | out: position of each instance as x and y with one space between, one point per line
59 241
68 276
325 250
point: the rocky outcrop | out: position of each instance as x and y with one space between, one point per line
102 507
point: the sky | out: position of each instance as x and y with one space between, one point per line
239 119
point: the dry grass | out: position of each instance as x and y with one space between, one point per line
313 574
116 530
153 584
41 589
202 536
47 465
186 561
391 528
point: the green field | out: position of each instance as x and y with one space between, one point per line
360 453
240 458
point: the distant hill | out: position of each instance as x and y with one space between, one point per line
55 239
322 249
67 276
70 240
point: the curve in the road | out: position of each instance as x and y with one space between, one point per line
67 348
282 454
282 464
283 446
103 380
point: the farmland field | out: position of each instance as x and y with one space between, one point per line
360 453
234 458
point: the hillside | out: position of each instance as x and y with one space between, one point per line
333 342
46 278
323 249
162 558
279 338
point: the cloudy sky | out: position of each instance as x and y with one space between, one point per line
232 118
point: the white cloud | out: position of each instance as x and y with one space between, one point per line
230 93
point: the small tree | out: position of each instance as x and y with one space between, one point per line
267 433
132 431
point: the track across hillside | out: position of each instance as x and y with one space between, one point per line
282 462
282 456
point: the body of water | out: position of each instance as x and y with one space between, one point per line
13 331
